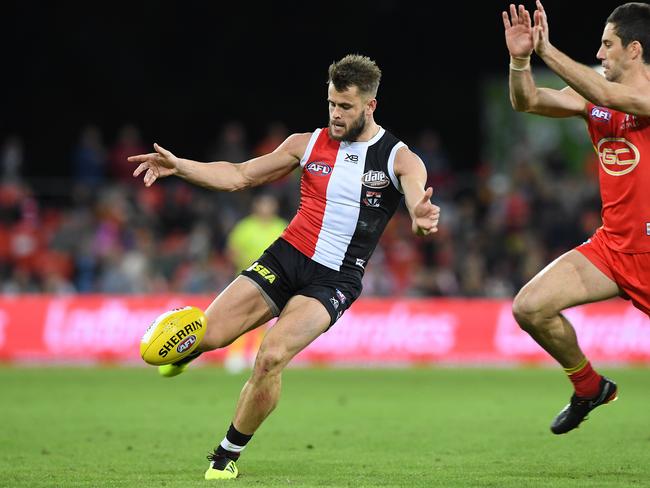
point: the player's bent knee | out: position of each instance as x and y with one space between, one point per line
531 310
270 361
526 310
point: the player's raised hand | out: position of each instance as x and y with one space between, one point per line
425 215
540 29
155 165
519 32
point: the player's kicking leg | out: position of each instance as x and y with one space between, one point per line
238 309
301 322
569 280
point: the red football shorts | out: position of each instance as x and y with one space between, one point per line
631 272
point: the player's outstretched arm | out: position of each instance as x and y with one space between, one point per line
525 96
583 80
223 175
412 175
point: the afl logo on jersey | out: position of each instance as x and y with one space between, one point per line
375 179
617 155
601 114
319 168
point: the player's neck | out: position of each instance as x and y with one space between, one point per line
639 79
369 131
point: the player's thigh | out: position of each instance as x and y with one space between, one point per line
302 320
569 280
238 309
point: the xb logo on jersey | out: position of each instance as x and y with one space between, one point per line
319 168
617 155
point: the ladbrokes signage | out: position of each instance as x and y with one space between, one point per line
381 332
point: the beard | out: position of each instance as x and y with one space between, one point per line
612 75
353 133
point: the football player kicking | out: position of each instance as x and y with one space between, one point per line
616 260
354 174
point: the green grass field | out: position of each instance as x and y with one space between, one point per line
114 427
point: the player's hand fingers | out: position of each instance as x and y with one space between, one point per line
141 167
543 17
506 20
513 14
140 157
427 195
521 14
527 18
162 151
149 177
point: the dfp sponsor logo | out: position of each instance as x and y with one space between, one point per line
375 179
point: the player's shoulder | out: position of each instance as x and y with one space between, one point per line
298 139
296 144
406 161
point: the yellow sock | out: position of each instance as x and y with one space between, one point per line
577 368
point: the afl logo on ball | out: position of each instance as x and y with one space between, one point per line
186 344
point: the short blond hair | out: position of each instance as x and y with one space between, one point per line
355 70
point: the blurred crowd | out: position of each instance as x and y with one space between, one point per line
102 231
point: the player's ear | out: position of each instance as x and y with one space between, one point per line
371 106
635 49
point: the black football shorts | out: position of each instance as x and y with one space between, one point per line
283 272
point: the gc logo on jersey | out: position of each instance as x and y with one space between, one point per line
375 179
319 168
617 155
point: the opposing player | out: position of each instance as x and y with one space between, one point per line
616 260
354 173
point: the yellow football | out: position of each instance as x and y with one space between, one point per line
172 336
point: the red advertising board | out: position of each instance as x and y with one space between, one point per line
374 331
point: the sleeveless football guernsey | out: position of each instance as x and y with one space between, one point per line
348 194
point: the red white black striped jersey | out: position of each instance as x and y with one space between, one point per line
348 194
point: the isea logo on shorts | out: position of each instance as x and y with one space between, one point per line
617 155
263 271
319 168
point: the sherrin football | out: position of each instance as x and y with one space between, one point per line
172 336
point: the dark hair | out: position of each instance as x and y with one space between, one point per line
357 70
632 23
